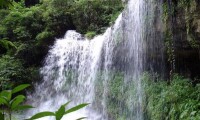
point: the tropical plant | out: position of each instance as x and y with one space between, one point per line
60 112
9 102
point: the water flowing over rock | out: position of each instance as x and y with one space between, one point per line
82 71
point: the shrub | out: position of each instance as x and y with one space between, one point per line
177 100
94 15
90 34
7 46
12 71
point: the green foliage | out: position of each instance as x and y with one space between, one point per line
184 4
178 100
168 44
166 11
21 26
10 103
90 34
117 97
11 70
61 4
57 18
59 113
16 25
20 88
94 15
41 114
175 101
5 3
7 46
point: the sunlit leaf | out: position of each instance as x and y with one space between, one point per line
60 113
66 104
22 107
20 88
76 108
6 94
41 114
17 100
2 101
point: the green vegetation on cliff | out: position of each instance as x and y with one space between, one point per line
178 100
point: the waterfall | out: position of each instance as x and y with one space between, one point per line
143 41
91 71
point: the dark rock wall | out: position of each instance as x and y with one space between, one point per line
183 22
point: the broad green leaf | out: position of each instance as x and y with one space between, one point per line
76 108
6 100
2 101
20 88
23 107
81 118
17 100
6 94
41 114
60 113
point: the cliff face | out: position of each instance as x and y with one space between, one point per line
182 33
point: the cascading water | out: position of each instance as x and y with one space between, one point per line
69 74
84 71
143 41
